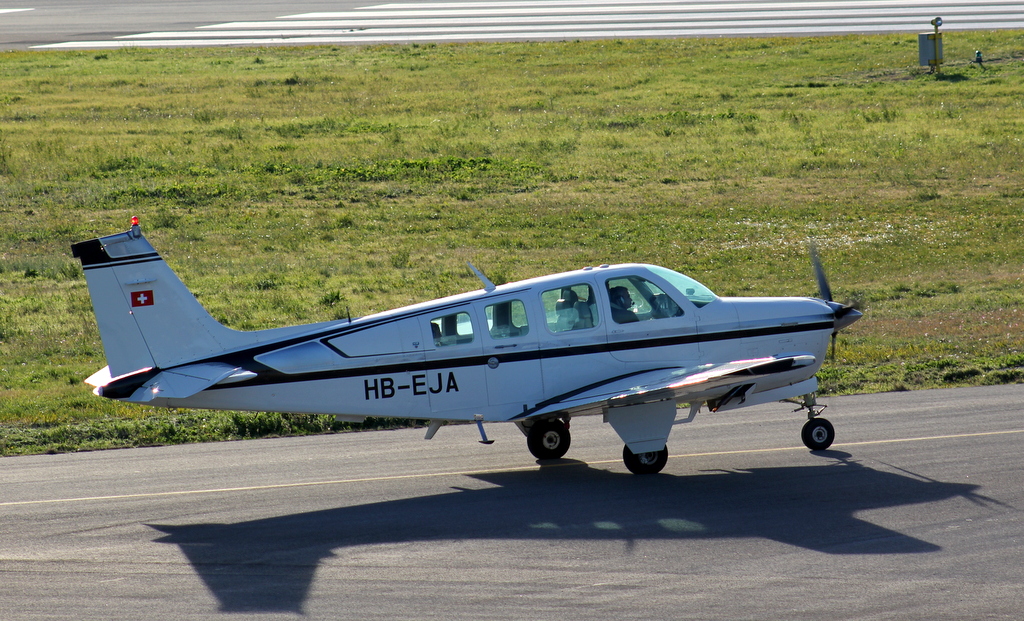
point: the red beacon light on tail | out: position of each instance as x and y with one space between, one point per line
135 221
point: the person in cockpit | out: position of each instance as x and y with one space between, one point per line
621 303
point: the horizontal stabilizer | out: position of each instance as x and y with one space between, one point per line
99 378
147 384
183 382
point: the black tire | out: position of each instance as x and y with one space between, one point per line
818 434
644 463
548 439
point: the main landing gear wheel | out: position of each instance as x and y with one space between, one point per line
644 463
818 434
548 439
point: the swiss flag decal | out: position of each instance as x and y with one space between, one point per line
142 298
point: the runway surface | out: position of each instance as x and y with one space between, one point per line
915 513
91 24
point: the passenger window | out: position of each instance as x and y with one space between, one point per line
637 299
455 329
507 319
570 308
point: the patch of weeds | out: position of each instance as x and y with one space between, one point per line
266 284
958 376
1003 376
885 115
111 166
164 219
204 117
400 260
331 299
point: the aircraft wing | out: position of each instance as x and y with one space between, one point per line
677 383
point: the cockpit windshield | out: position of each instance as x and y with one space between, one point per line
693 290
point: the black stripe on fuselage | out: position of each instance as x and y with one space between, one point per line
266 376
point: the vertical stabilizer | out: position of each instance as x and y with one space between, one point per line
146 315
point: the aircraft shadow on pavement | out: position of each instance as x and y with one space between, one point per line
268 565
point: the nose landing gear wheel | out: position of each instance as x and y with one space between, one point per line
548 439
644 463
818 434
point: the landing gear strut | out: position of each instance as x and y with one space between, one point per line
548 439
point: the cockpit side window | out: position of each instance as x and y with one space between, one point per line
633 298
454 329
572 307
507 319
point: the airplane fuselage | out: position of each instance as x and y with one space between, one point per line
500 353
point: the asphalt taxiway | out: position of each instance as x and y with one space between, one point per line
913 514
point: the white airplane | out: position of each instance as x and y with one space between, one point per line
629 342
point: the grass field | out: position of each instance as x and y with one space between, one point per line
291 185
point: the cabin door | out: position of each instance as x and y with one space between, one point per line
511 354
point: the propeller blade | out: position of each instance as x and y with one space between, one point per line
824 290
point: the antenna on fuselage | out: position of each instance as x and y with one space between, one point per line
488 285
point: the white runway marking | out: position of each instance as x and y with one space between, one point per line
581 19
497 30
